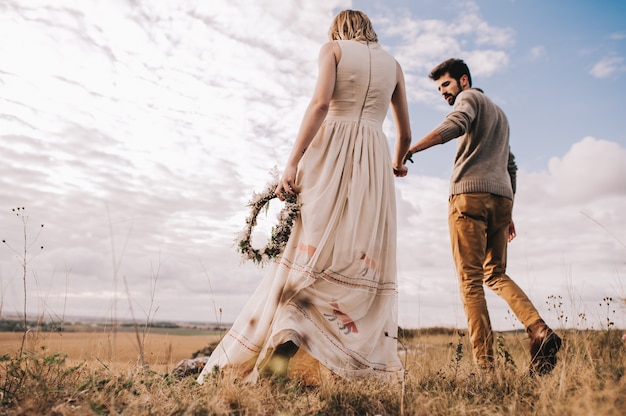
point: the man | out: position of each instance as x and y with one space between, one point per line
482 187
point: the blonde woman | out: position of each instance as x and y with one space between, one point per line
333 290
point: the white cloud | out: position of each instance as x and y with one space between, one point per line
537 52
487 62
484 34
608 67
426 42
592 168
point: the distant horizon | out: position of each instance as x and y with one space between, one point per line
96 319
99 320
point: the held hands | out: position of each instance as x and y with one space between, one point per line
401 171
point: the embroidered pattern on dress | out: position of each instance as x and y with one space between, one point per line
368 264
356 281
346 324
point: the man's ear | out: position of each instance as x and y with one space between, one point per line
464 82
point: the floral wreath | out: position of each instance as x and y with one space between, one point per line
280 232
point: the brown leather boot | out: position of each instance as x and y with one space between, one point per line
544 344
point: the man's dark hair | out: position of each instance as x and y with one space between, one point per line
455 67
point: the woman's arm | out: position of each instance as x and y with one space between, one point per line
400 111
313 116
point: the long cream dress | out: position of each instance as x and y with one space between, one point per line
333 291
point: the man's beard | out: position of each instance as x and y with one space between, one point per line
451 98
458 84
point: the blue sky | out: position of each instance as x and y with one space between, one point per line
138 131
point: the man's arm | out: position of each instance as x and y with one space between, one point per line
456 124
431 139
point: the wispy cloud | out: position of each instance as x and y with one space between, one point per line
608 67
537 52
425 42
617 36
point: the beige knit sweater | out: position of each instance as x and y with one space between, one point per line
483 161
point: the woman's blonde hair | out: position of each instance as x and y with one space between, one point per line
352 25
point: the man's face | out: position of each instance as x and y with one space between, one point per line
449 87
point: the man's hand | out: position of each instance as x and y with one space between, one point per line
512 233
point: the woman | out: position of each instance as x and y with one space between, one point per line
333 291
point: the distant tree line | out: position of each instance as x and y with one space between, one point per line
7 325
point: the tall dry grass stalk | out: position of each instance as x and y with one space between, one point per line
150 312
24 257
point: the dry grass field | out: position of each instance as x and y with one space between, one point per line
115 350
99 373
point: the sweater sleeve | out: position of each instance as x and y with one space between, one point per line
459 120
512 169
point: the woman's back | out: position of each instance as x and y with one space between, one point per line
366 79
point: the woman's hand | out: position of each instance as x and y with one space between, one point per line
287 183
